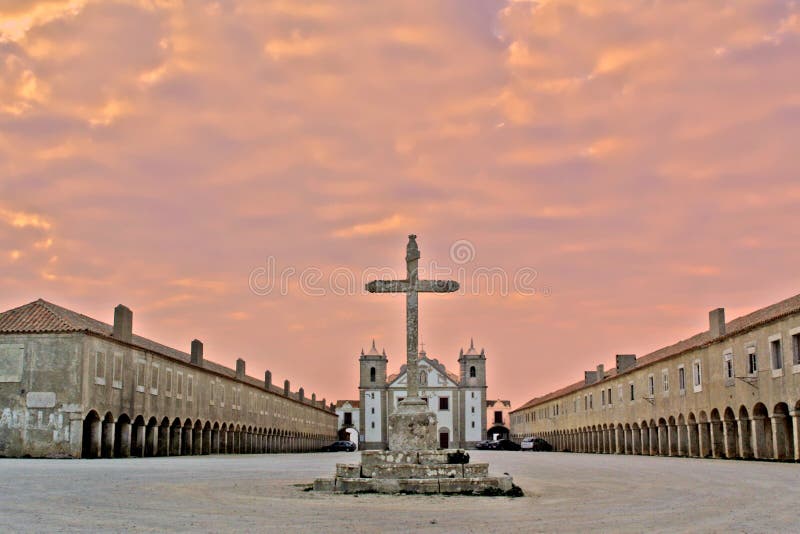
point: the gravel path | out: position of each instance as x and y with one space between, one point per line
564 492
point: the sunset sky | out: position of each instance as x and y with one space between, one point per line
640 157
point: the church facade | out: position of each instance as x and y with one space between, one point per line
72 386
458 400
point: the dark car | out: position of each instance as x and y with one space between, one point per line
506 445
484 445
339 446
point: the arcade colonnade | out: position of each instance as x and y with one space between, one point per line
756 432
121 437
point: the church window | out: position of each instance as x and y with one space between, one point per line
444 403
100 368
116 372
498 417
473 409
140 376
372 374
373 424
473 394
473 424
372 410
472 373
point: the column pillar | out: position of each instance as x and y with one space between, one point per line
745 438
795 415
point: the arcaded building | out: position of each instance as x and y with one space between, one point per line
458 400
730 392
73 386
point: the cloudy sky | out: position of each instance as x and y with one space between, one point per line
630 164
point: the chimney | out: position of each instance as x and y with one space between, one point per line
601 374
301 393
313 397
625 362
267 380
716 322
589 377
285 388
197 352
240 365
123 323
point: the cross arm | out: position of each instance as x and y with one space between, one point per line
388 286
437 286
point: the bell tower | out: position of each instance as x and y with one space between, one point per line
372 401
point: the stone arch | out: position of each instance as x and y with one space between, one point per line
163 446
176 437
151 437
694 436
672 435
107 437
717 435
645 437
91 440
137 437
205 447
762 432
745 433
730 433
783 432
122 437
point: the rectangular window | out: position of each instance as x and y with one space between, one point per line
651 386
189 387
727 365
348 418
473 424
633 395
473 409
585 402
752 361
154 379
444 403
697 376
168 383
591 399
100 368
498 417
620 394
776 352
609 396
603 398
116 375
179 388
796 349
681 379
222 395
140 375
665 380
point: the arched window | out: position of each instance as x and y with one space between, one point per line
423 378
472 371
372 374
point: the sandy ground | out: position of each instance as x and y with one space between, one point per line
565 492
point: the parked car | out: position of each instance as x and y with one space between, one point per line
339 446
484 445
532 443
506 445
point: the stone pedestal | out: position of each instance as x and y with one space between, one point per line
412 427
425 471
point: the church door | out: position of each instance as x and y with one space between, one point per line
444 440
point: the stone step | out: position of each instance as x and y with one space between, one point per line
411 485
405 471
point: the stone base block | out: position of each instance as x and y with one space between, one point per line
348 470
405 471
370 459
324 484
476 470
444 456
412 429
474 485
355 485
419 485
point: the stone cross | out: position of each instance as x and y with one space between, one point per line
412 286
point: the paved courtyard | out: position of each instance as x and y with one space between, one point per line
565 492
